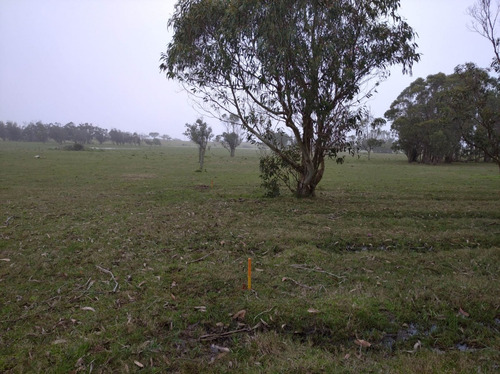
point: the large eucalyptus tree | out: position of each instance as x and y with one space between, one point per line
288 66
477 109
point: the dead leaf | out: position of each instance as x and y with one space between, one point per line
88 308
312 310
79 362
347 355
5 259
463 313
218 348
141 284
201 308
172 296
362 343
139 364
220 355
417 345
59 341
240 316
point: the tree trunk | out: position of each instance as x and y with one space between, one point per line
309 179
306 189
232 150
201 157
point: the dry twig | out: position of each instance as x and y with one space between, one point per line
316 269
265 311
227 333
199 259
110 273
297 283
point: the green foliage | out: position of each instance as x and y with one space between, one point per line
444 117
84 133
269 169
120 137
288 66
477 110
370 135
74 147
275 172
423 119
233 136
199 133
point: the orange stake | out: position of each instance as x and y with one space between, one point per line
249 273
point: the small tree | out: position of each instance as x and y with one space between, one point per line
370 133
154 135
199 133
372 143
232 137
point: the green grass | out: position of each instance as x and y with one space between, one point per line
388 252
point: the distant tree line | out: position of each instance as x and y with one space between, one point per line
84 133
454 117
446 118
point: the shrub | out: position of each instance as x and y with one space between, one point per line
74 147
275 172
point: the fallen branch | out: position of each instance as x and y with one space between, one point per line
199 259
265 311
110 273
227 333
317 270
284 279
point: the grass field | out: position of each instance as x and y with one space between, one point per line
128 260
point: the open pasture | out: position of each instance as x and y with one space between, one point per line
128 260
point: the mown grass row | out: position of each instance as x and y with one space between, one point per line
128 258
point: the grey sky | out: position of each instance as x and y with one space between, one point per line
97 61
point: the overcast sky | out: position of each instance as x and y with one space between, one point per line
97 61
